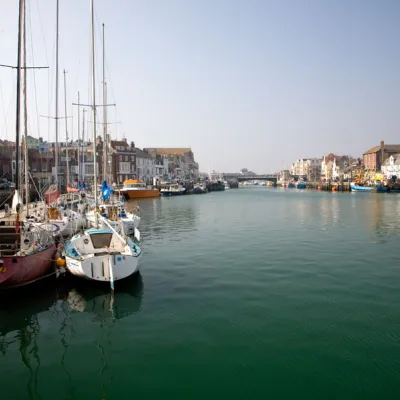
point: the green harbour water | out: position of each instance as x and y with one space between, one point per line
251 294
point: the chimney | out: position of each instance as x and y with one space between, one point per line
382 154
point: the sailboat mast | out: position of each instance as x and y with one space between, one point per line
93 107
104 117
26 155
18 105
66 125
56 117
79 142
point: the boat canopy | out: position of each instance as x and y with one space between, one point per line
131 183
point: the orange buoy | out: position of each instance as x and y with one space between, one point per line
60 262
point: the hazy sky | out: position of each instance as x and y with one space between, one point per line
251 84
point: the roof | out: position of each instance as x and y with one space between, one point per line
142 154
387 148
132 181
179 151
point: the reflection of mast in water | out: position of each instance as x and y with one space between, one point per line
106 307
19 320
30 354
65 324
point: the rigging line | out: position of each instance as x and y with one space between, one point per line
6 112
41 29
34 74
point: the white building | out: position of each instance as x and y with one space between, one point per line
309 168
391 166
144 166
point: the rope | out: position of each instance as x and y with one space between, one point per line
5 201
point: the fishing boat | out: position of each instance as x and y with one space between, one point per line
358 187
173 190
291 185
101 253
301 185
136 189
25 256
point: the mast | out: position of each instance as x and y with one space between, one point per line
79 144
66 125
18 105
93 107
104 118
56 117
26 156
83 143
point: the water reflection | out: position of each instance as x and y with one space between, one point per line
385 215
29 315
20 327
99 300
166 216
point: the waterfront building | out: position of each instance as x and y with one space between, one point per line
309 168
181 162
7 149
144 166
122 160
391 167
284 175
375 157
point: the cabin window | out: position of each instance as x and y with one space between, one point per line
101 240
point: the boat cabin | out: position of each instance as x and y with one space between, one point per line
134 184
96 242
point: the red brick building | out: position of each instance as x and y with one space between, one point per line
375 157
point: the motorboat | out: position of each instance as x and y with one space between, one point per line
301 185
136 189
173 190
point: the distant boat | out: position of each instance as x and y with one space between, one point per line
136 189
356 187
173 190
301 185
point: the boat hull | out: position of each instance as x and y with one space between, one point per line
301 186
98 268
356 188
140 193
169 193
18 271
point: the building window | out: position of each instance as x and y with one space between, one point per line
132 158
126 158
124 167
6 169
44 167
120 158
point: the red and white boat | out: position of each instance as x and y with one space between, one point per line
26 254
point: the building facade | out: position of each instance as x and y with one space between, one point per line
181 162
309 168
391 167
374 157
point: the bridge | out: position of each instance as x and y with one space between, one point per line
243 178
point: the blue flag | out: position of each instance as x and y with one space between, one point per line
105 190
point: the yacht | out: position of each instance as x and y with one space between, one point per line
135 189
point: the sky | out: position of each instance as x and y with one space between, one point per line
246 84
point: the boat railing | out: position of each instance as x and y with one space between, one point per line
104 220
